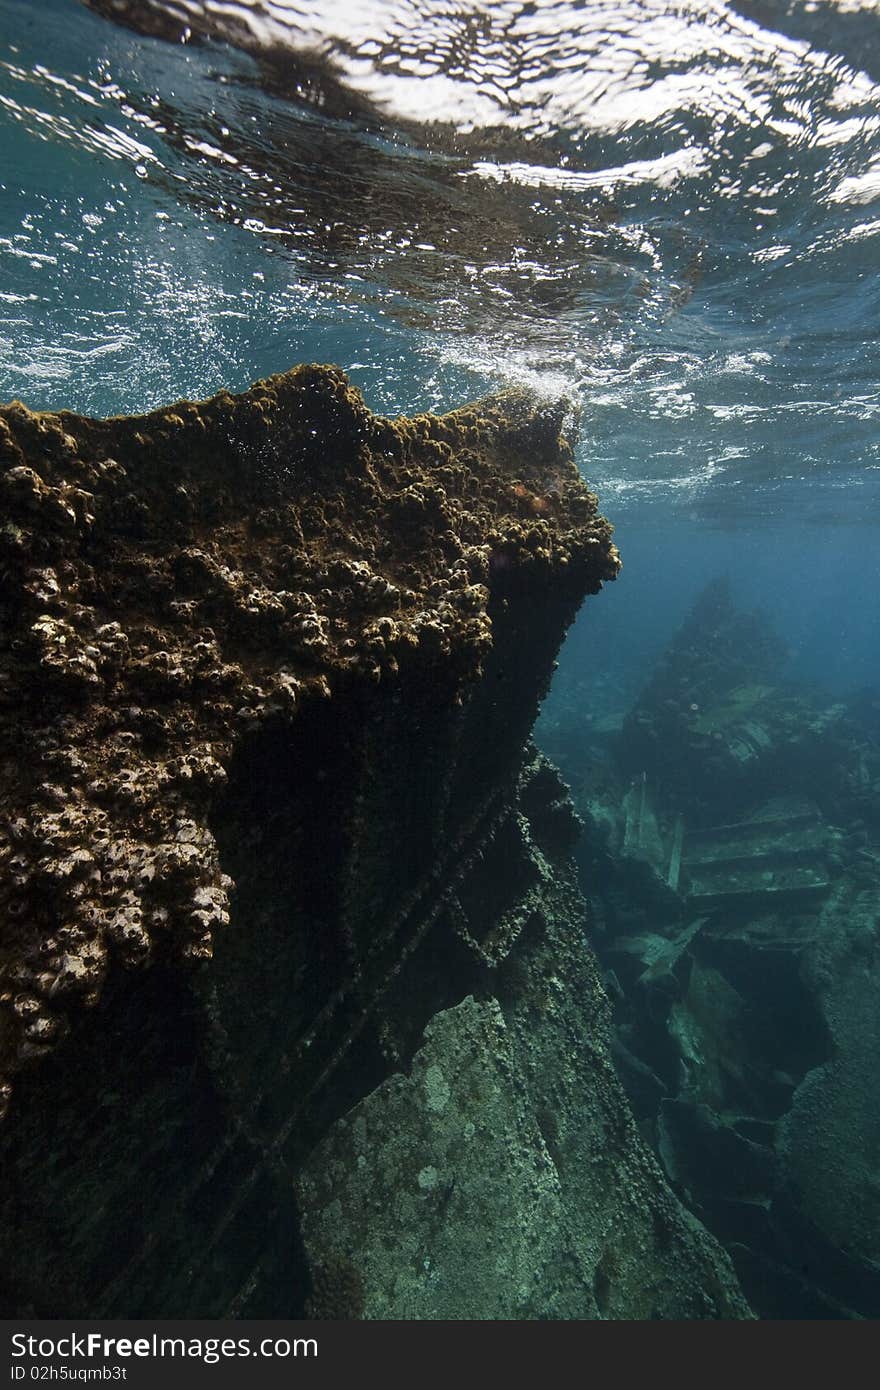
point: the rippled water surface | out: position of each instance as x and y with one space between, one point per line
670 212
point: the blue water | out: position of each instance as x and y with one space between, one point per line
686 242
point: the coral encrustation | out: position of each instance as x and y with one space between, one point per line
170 582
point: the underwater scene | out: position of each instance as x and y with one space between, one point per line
440 659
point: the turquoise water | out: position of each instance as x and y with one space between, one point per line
684 241
668 212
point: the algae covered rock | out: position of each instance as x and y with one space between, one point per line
441 1185
172 583
441 1198
503 1174
281 875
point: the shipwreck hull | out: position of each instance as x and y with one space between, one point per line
269 670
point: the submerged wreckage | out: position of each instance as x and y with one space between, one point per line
296 1010
731 856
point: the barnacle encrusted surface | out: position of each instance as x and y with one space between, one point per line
172 582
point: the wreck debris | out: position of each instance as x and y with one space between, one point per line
744 954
